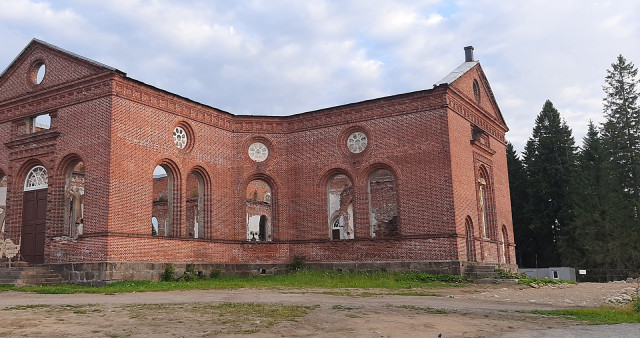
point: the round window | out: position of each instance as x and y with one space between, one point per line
258 152
357 142
179 137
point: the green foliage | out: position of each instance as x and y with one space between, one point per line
169 273
214 273
519 198
549 157
304 278
601 315
297 263
636 305
543 281
190 274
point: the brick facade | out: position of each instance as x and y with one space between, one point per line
417 178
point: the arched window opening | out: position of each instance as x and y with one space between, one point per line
483 203
154 226
505 245
470 241
74 193
163 200
476 90
383 204
340 200
195 205
259 201
3 201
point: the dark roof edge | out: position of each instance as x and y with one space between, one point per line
44 43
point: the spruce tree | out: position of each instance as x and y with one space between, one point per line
588 241
621 143
621 130
518 193
549 158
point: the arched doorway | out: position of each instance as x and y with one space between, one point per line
34 215
470 242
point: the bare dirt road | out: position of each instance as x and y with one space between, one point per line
471 311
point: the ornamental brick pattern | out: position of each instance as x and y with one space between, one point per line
430 145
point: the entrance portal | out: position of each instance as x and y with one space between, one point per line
34 215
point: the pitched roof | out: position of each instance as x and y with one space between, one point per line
456 73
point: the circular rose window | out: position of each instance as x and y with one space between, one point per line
258 152
357 142
179 137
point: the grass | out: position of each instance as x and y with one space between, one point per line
543 281
601 315
429 310
305 278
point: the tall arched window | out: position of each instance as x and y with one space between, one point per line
165 201
470 241
259 203
483 202
3 201
383 204
74 199
505 245
340 207
195 205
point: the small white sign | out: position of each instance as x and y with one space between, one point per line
582 272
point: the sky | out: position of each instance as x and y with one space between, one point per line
283 57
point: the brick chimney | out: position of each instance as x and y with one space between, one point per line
468 54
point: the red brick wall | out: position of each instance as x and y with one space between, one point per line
122 130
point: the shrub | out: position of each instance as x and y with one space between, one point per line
169 274
214 273
297 263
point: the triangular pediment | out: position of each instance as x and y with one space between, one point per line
469 81
59 67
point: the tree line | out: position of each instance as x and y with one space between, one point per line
579 206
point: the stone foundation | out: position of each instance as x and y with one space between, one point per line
102 273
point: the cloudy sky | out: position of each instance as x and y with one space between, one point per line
281 57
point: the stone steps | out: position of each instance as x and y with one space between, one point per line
31 275
482 271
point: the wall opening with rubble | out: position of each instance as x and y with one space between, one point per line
195 205
259 202
340 200
3 201
383 204
162 203
74 199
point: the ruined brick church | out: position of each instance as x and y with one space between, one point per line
104 177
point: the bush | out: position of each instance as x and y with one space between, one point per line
190 274
169 274
214 274
636 305
297 264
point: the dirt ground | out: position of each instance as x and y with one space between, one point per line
471 311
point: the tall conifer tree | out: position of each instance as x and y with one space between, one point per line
550 165
621 143
621 130
518 193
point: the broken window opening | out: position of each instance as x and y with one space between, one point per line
470 240
74 199
154 226
505 245
195 205
383 204
340 207
162 201
38 123
3 201
259 211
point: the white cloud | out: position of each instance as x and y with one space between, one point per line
289 56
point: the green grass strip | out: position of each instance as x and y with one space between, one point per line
306 278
